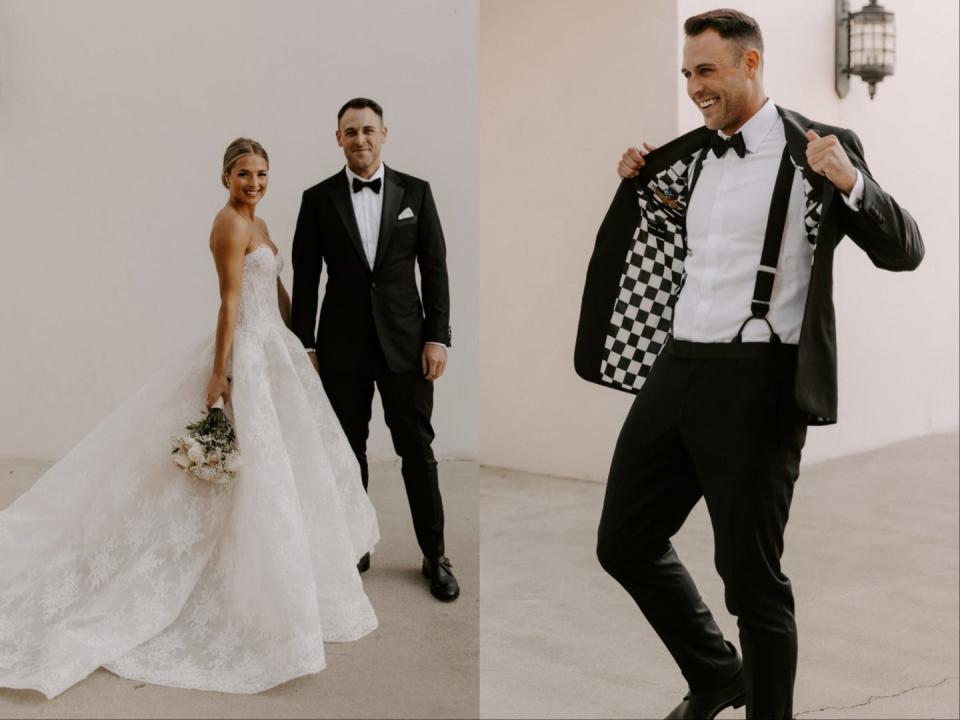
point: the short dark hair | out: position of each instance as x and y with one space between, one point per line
358 104
733 25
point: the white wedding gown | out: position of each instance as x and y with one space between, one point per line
117 557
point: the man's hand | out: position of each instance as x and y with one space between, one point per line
632 160
313 359
826 156
433 360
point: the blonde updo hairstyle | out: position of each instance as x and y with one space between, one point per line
236 150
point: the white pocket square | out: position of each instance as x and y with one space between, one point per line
407 213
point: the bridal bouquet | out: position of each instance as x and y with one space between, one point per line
208 448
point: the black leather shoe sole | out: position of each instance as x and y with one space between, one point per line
364 563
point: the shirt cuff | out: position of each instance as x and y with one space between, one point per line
313 350
855 199
434 342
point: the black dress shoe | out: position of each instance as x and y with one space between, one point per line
708 705
443 585
364 563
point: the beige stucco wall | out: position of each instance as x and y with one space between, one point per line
113 119
565 84
600 76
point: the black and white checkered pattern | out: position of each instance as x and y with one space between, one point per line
812 210
651 280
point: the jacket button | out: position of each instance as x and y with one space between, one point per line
373 285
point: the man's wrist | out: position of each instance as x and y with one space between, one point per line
855 198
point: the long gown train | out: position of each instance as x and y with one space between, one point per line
117 557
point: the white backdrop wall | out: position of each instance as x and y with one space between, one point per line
113 120
596 77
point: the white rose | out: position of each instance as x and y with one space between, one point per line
214 476
233 462
181 460
195 452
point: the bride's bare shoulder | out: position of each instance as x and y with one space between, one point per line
229 231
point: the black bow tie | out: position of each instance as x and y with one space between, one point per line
359 185
720 145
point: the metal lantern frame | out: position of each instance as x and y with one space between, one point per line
866 45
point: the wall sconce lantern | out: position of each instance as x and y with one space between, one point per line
865 45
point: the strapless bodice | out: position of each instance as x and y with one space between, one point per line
258 310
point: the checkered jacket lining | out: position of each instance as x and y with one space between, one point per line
653 275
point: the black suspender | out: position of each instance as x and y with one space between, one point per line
694 176
772 242
695 173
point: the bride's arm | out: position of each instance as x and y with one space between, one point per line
228 242
283 300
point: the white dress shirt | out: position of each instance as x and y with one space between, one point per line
726 225
367 207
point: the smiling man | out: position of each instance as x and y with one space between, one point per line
709 296
373 226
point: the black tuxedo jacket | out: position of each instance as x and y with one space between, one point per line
358 295
647 216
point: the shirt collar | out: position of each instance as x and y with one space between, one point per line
351 174
756 128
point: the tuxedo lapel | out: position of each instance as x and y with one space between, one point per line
794 128
344 205
392 197
818 194
656 161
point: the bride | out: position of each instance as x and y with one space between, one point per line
116 557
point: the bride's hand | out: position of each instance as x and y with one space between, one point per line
217 386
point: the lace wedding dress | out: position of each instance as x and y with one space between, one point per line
116 557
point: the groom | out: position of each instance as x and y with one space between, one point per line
709 295
371 225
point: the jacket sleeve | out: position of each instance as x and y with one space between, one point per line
307 256
885 231
432 259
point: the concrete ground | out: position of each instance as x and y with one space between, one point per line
421 662
871 549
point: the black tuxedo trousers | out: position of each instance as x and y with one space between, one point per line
407 399
717 421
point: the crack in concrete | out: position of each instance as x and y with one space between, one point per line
877 697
